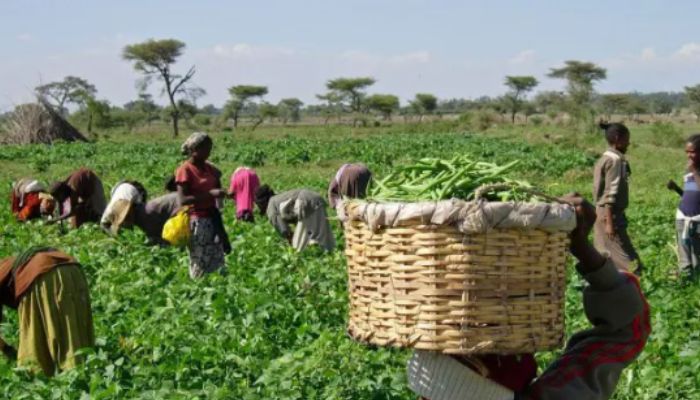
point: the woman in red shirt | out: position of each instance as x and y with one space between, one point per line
199 186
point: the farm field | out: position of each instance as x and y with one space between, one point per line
273 327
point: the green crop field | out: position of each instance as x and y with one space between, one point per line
274 327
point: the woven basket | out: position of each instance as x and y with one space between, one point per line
433 287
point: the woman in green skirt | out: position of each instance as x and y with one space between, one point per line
49 290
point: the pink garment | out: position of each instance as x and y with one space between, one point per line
244 183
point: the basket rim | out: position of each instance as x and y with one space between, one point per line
475 216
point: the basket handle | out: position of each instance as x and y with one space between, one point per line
481 191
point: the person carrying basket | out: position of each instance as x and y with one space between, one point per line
592 361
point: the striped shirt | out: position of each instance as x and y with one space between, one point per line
690 202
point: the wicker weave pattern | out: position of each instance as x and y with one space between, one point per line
432 287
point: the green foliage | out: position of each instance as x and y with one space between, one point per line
693 95
154 58
274 327
71 90
519 87
666 134
424 103
580 77
385 104
290 109
154 54
351 90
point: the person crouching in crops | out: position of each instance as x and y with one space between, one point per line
199 186
350 181
124 196
244 183
80 197
611 197
593 360
50 292
688 213
303 207
30 200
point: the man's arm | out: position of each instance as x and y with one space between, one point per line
614 304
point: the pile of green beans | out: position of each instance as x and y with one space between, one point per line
438 179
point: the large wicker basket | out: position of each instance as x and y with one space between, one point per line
457 277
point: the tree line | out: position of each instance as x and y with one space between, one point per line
345 98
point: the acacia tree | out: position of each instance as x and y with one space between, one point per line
580 77
351 90
693 95
423 103
155 58
290 109
333 106
266 111
519 87
241 96
385 104
71 89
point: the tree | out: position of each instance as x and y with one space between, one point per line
549 103
266 111
580 77
290 109
351 90
70 90
145 109
614 103
98 113
242 95
693 95
424 103
154 58
385 104
519 87
333 106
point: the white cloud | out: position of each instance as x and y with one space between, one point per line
648 54
417 57
524 57
689 50
251 52
358 56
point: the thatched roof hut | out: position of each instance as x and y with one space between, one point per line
37 123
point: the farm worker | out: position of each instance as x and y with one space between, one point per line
50 292
593 360
351 181
244 183
303 207
611 197
30 200
80 197
688 213
151 217
199 185
123 197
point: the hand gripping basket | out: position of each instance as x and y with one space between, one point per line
457 277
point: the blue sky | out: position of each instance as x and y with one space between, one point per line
450 48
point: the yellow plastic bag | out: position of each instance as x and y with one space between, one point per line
176 230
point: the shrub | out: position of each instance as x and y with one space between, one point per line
666 134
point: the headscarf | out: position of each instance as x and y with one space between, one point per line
193 141
26 186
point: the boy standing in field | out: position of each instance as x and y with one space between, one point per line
688 213
611 197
